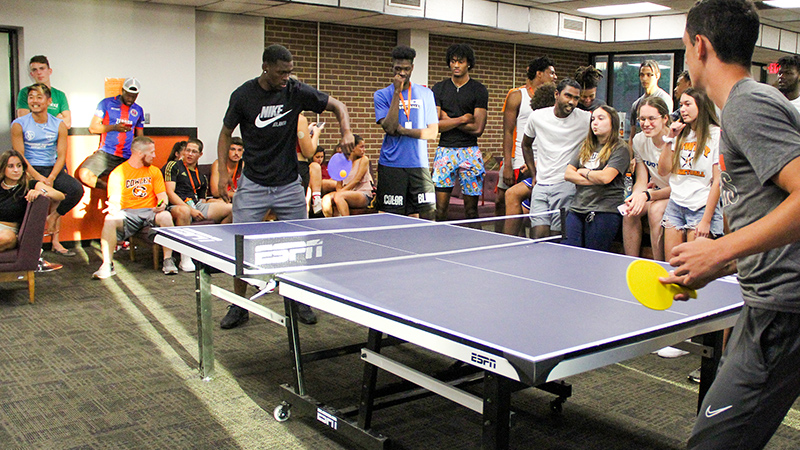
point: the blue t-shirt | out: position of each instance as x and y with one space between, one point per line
41 139
112 111
404 151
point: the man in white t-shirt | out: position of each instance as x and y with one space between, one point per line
559 132
789 79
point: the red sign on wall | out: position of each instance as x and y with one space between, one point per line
773 68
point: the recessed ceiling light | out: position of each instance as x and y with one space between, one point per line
619 10
783 3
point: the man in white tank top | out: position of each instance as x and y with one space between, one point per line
516 109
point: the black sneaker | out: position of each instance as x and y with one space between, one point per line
306 315
235 317
695 376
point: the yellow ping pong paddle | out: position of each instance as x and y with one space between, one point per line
642 277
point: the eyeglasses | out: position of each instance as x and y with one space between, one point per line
650 119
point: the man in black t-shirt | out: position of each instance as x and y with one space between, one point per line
266 109
461 103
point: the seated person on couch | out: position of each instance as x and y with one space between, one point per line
187 190
137 198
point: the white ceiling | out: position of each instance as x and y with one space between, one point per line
788 19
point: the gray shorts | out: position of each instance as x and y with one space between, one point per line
134 220
757 382
550 197
252 201
202 207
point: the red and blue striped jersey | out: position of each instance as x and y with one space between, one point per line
112 111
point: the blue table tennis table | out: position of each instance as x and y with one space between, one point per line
549 312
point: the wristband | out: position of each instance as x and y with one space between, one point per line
44 191
668 140
647 193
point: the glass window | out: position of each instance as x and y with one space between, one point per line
627 88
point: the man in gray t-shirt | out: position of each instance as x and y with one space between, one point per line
758 379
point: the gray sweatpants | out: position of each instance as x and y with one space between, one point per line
757 382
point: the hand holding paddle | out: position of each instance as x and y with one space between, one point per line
339 166
645 283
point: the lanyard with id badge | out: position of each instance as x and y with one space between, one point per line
407 108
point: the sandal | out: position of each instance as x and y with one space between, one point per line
65 252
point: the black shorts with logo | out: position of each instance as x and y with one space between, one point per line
405 190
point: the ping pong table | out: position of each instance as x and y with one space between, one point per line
550 311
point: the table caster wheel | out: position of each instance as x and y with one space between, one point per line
282 412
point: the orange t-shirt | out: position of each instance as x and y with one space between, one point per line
137 188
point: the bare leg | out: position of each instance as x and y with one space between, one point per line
541 231
655 213
108 240
632 235
164 219
471 209
514 198
89 179
442 203
499 209
8 240
672 238
327 204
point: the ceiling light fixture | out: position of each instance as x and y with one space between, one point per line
620 10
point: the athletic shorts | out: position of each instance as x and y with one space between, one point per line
527 202
550 197
404 191
134 220
252 201
464 163
681 218
757 382
502 184
101 163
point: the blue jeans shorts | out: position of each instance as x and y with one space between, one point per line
682 218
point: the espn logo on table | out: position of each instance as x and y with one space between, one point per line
287 252
327 418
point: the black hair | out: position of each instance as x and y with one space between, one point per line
792 61
41 59
538 65
567 82
275 53
404 52
544 97
357 139
177 148
236 140
731 26
588 76
459 51
685 76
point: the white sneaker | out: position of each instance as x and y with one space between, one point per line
316 204
104 272
671 352
169 267
186 264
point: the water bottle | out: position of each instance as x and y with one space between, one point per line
628 184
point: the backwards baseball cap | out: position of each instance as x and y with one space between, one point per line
132 85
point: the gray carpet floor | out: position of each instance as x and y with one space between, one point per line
112 365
